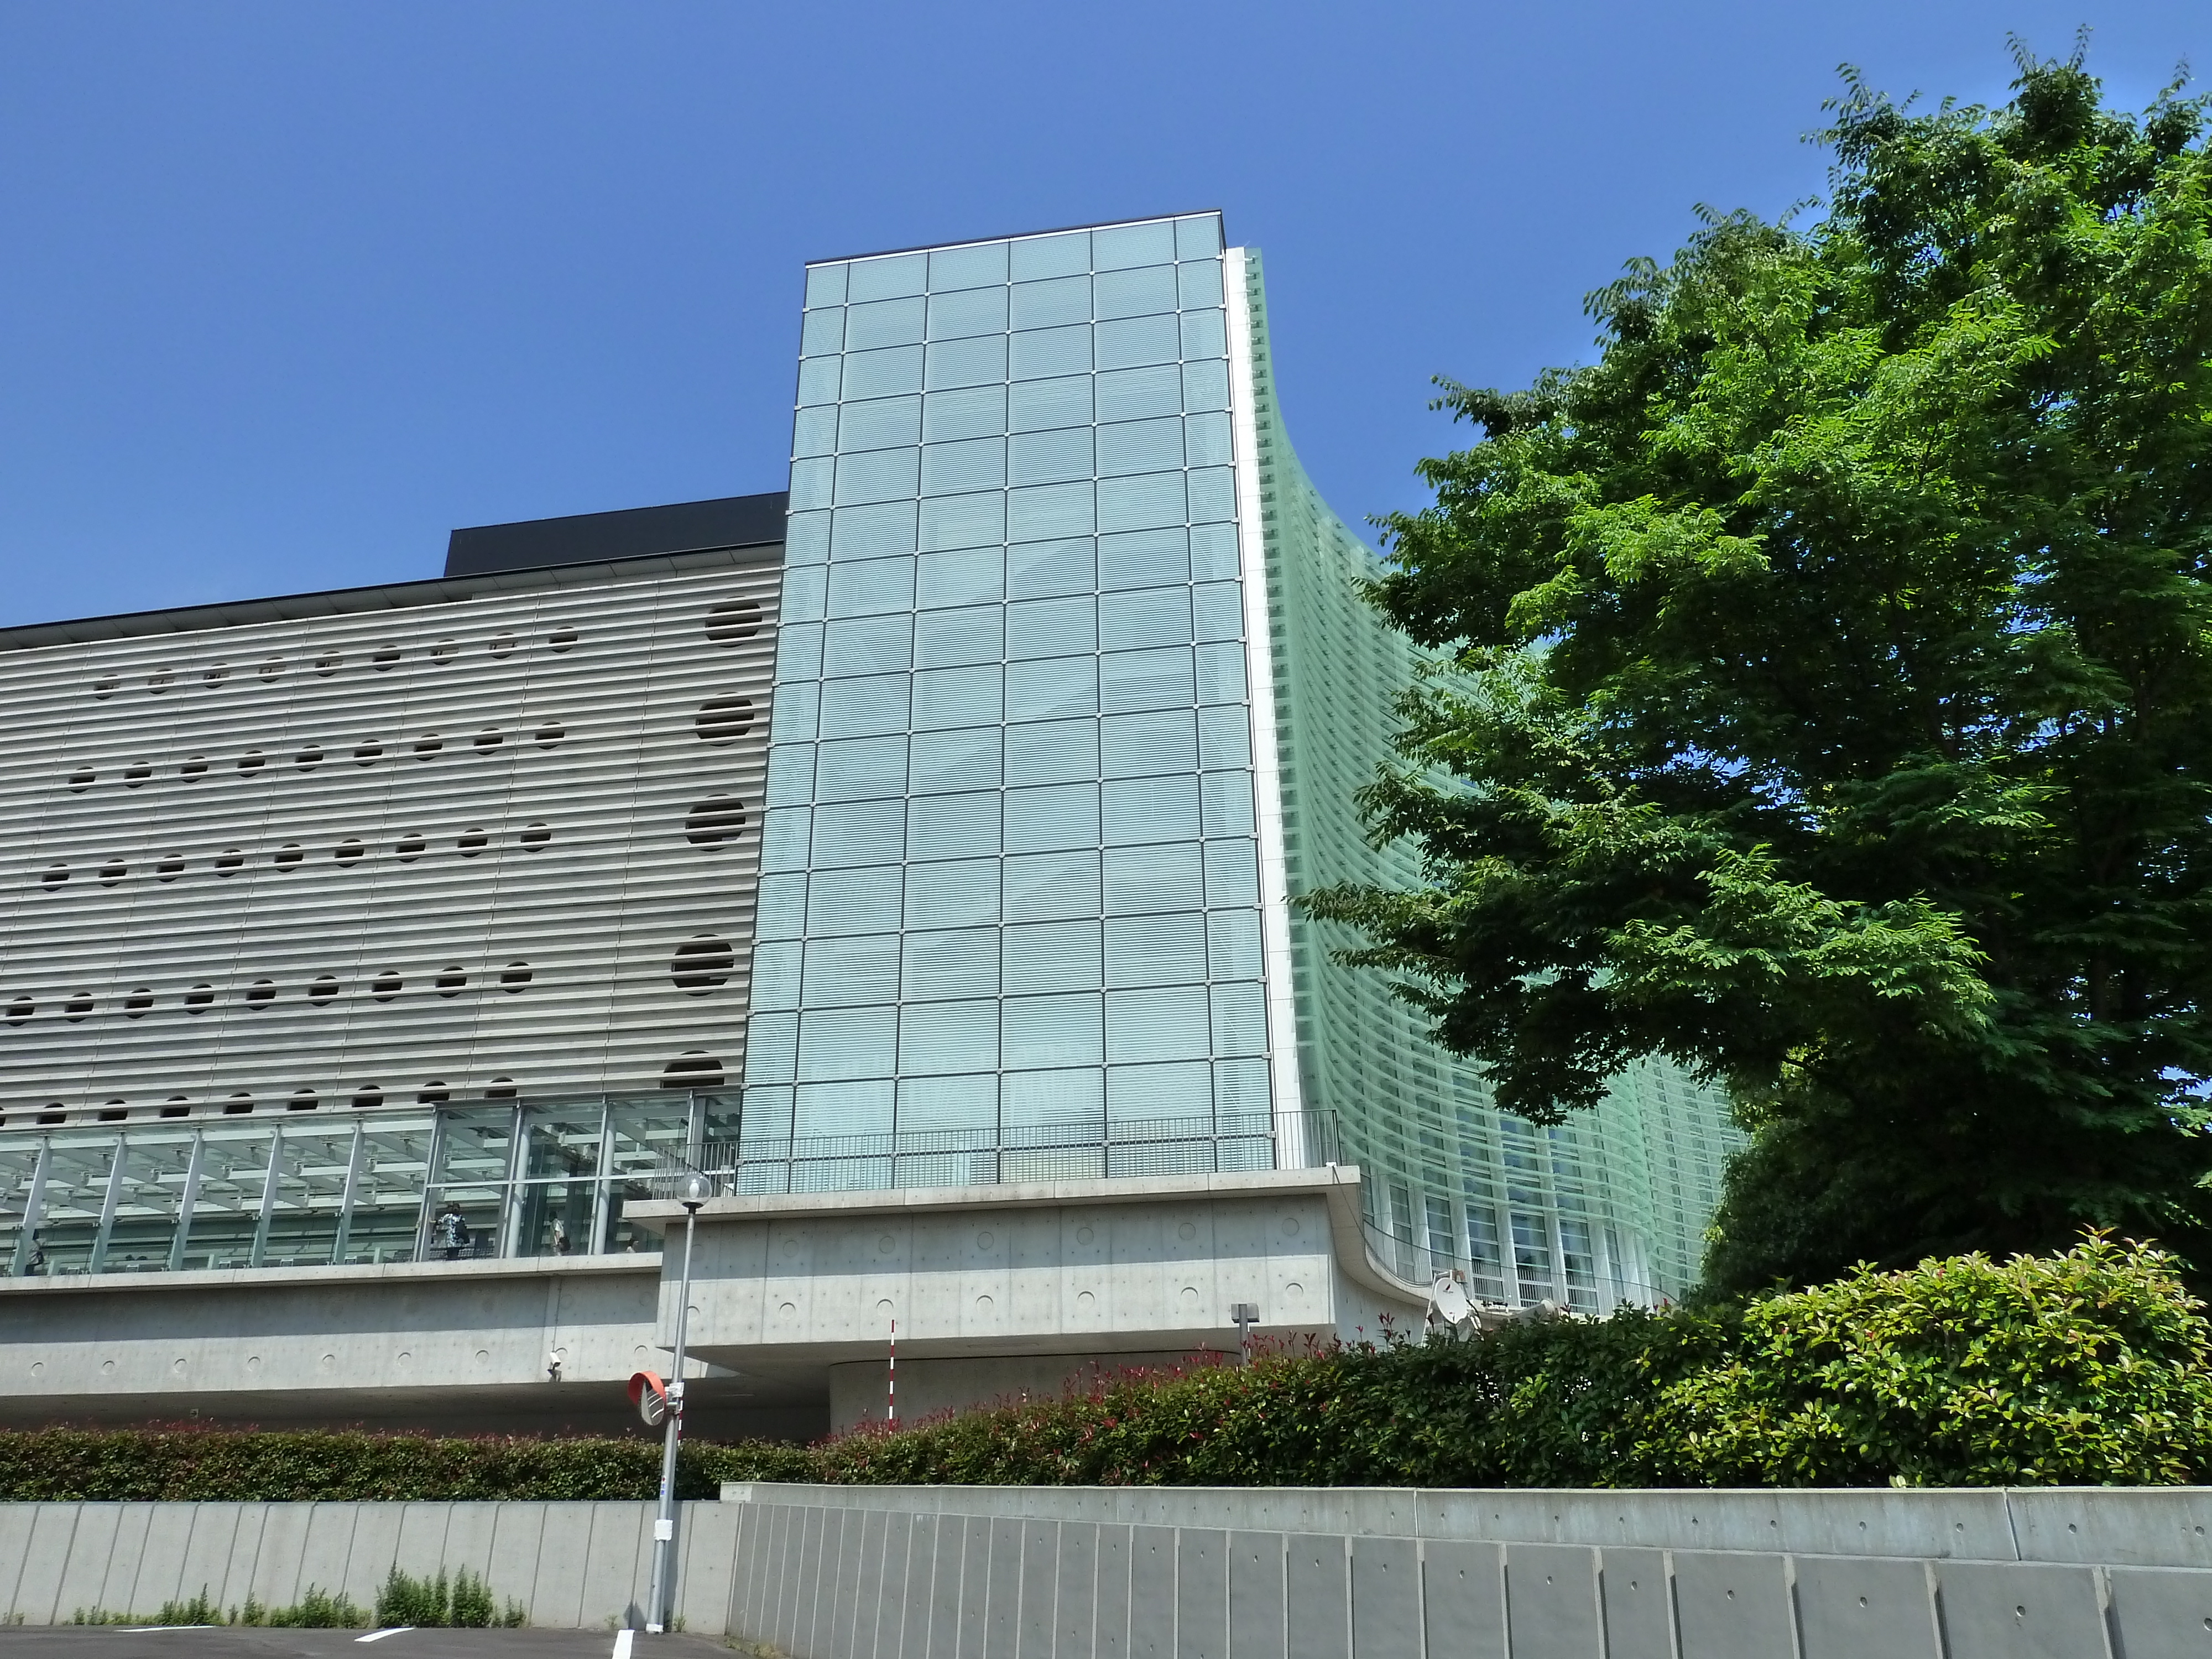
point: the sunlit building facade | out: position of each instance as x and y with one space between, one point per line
1075 690
938 827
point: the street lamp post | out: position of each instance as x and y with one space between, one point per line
695 1193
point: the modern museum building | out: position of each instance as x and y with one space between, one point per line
915 851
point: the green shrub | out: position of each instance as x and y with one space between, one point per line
2090 1368
2096 1366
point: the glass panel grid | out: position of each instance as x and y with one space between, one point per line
457 1184
1611 1207
1041 716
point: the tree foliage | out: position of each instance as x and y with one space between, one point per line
1823 694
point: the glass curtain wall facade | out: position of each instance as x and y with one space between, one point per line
537 1180
1009 875
1073 692
1611 1205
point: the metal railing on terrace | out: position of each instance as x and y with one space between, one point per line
466 1181
489 1180
1589 1281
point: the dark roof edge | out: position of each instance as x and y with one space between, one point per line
630 532
381 596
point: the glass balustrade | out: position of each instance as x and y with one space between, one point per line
465 1183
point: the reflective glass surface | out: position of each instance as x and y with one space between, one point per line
993 817
457 1184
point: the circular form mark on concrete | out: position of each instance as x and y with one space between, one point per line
694 1070
701 963
716 819
733 620
720 720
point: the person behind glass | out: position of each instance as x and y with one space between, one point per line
450 1233
560 1237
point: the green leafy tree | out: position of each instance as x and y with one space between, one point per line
1824 693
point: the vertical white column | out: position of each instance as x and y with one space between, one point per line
190 1197
354 1154
269 1191
599 1177
35 1209
108 1209
1290 1150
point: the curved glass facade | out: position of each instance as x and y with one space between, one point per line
1609 1207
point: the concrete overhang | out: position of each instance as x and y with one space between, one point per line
1337 1184
1035 1280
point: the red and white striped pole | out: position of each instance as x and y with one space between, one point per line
890 1391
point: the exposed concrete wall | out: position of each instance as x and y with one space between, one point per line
1077 1270
186 1341
569 1565
1064 1573
1025 1284
926 1387
1068 1573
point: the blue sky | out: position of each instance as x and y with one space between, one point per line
287 291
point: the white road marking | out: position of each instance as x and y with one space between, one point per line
378 1635
140 1630
623 1639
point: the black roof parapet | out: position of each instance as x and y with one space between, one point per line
633 533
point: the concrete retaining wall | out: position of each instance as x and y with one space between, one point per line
1035 1573
826 1572
574 1566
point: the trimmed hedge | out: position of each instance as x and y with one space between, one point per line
2093 1367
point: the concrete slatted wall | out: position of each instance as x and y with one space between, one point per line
569 1565
842 1581
983 1573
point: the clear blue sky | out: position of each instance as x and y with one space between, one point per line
289 290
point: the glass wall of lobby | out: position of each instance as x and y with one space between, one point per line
463 1182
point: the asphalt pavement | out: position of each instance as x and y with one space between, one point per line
237 1642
